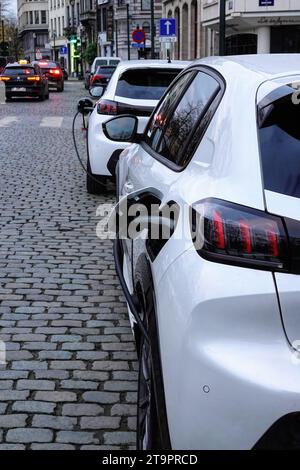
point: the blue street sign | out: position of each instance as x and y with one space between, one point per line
138 45
167 27
63 50
266 3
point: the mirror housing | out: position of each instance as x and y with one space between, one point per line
97 91
122 129
85 106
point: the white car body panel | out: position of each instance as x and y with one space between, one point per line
220 326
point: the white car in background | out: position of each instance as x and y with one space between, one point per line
217 297
135 88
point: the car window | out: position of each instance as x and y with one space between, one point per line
15 71
47 65
100 62
145 83
279 137
105 70
114 62
172 129
157 123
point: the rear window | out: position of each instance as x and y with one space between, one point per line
145 83
14 71
114 62
279 137
48 65
100 62
106 70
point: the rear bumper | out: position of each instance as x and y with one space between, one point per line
236 374
30 91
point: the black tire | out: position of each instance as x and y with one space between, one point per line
42 96
8 97
60 88
95 184
152 423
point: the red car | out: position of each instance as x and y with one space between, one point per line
103 75
53 73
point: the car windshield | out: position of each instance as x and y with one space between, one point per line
105 70
279 137
145 83
14 71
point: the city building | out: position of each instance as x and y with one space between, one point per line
88 22
190 38
65 34
130 15
253 27
33 18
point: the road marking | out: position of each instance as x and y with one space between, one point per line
51 121
8 120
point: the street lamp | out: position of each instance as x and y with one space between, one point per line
222 28
72 59
34 44
54 35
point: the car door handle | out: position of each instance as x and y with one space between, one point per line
128 187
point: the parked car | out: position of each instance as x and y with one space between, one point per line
23 79
103 75
218 295
99 62
135 88
53 73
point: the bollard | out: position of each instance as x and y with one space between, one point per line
2 93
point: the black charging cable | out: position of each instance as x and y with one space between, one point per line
77 151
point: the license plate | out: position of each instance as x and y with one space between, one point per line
19 89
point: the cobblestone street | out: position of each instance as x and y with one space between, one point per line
70 377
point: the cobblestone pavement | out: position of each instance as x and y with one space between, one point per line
70 378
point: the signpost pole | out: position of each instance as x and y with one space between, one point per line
128 31
152 31
222 28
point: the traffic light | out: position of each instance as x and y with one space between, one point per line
77 46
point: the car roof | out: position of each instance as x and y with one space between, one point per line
133 64
16 65
265 66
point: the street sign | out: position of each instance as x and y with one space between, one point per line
63 50
138 45
38 54
167 27
266 3
167 39
138 36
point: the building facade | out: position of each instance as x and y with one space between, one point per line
33 20
252 27
190 35
65 34
130 15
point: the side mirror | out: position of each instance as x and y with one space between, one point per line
97 91
122 129
85 106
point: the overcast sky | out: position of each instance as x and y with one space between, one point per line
13 5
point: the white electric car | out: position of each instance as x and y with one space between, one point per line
218 296
135 88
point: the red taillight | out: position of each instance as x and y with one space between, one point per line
233 234
55 71
107 107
